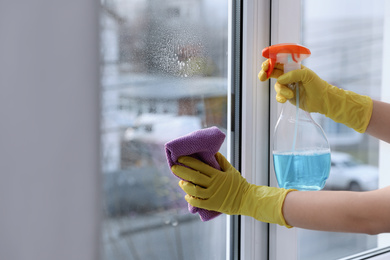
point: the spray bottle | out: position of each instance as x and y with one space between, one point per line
301 151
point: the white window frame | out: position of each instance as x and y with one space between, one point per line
255 125
259 111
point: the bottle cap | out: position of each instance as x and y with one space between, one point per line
286 53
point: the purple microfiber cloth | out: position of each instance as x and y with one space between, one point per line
203 145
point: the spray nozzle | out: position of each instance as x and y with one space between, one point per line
290 54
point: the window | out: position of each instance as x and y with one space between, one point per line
164 66
339 41
347 51
170 67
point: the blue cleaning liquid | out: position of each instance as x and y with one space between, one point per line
302 170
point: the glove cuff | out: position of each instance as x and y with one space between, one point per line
348 108
282 220
265 204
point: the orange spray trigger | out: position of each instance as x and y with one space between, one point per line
290 54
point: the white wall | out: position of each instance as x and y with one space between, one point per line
49 156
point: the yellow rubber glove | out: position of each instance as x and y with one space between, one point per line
228 192
316 95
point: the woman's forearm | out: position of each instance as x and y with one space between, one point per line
340 211
345 211
379 125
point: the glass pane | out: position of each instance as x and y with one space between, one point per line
164 74
346 40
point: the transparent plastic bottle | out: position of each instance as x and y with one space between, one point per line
301 151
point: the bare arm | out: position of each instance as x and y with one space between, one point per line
379 125
345 211
339 211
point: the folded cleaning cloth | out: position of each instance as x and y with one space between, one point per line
203 145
